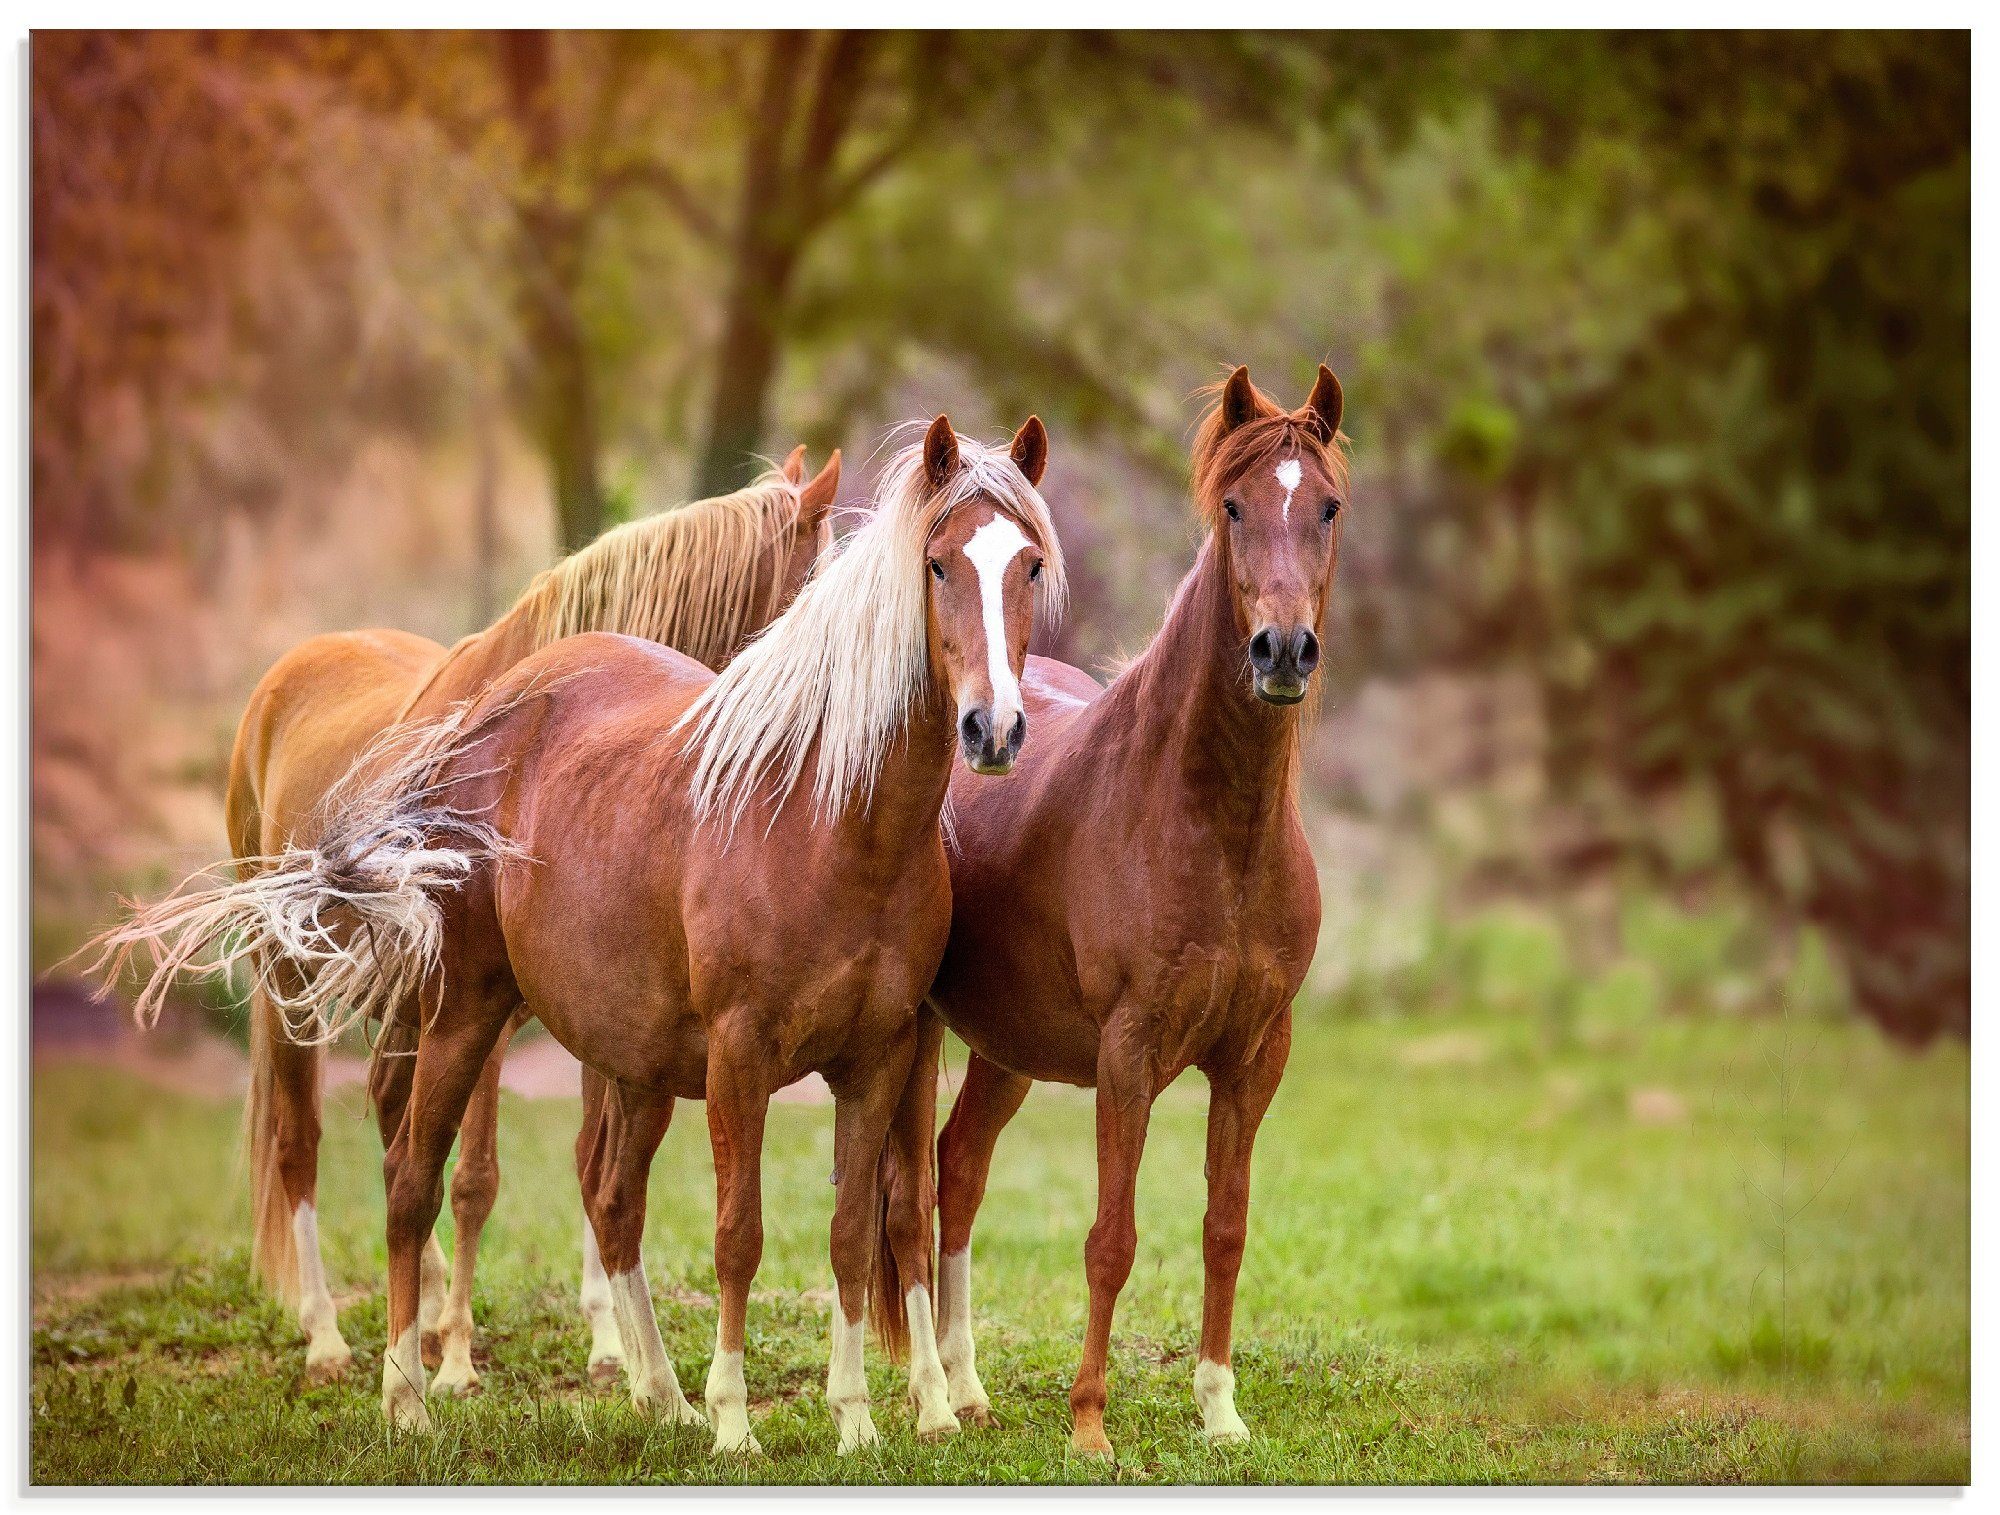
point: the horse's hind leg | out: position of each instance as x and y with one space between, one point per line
389 1075
607 1348
988 1099
475 1181
282 1118
633 1124
450 1057
909 1205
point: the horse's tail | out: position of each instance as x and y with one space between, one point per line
916 1112
339 932
273 1247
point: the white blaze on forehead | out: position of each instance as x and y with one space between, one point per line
990 550
1289 473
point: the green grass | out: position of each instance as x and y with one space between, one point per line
1474 1258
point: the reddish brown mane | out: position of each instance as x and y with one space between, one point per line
1273 433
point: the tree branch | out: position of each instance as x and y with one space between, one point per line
663 182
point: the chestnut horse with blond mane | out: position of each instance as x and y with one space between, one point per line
703 578
1161 906
706 886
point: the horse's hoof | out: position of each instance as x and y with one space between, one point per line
330 1369
1227 1436
746 1446
606 1371
456 1388
862 1435
941 1432
674 1409
1091 1443
980 1415
431 1347
406 1412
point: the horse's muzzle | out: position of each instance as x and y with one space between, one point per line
1282 660
985 751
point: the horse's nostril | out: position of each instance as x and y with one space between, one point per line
1017 733
1263 652
972 728
1308 654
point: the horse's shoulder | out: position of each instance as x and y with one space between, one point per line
1058 683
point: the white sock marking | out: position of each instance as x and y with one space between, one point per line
606 1346
1289 474
847 1382
655 1386
729 1400
1215 1395
991 549
955 1351
927 1381
403 1383
316 1313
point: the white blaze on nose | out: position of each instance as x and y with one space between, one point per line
1288 473
991 549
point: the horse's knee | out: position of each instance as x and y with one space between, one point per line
1108 1254
475 1184
739 1246
1222 1242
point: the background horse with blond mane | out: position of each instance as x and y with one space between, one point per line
1161 903
703 578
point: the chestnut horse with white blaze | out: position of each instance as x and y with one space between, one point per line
706 886
1160 903
703 578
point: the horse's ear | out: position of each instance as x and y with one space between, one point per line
794 468
1322 412
940 452
816 497
1239 399
1030 451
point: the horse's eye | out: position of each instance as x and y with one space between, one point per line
1329 510
937 570
1229 507
1035 572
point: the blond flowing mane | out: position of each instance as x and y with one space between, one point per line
841 667
684 577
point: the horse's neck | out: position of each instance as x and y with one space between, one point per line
474 662
910 789
1209 743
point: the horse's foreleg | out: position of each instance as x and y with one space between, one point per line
738 1100
634 1124
607 1349
988 1099
475 1181
911 1206
1124 1103
1237 1101
863 1101
447 1066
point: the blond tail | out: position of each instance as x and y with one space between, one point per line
273 1246
339 932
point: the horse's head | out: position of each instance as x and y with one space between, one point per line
809 536
983 559
1271 484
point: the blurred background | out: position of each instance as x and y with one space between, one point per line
1649 665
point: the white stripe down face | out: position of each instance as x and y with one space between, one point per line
983 569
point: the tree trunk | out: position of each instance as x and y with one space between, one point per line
746 364
550 248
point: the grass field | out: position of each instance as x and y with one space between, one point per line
1697 1250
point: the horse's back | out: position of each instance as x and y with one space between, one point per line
314 711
